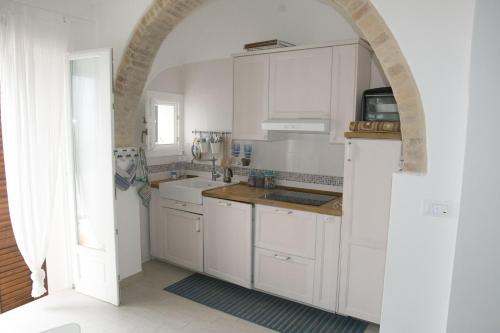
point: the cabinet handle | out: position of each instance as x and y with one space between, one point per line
287 212
277 256
222 203
348 151
181 204
198 226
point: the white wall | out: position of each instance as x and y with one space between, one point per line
475 294
435 39
221 27
116 20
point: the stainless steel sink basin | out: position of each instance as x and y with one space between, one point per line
188 190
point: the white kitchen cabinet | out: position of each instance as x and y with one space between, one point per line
182 234
285 230
284 275
300 84
327 262
155 223
251 84
368 169
228 240
351 73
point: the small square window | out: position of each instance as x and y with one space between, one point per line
164 115
166 124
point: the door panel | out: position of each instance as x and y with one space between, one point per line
251 96
94 250
284 275
368 169
300 84
285 230
183 238
228 240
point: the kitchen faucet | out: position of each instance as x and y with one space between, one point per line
215 174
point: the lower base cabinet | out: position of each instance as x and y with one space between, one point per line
228 240
284 275
183 238
308 272
326 270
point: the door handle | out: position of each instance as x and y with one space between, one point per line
198 225
348 151
181 204
222 203
277 256
287 212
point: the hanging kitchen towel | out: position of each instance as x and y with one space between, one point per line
143 191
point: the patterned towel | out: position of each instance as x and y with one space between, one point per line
375 126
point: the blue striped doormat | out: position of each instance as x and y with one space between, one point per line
262 309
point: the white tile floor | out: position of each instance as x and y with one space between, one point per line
145 308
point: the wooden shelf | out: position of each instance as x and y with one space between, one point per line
373 135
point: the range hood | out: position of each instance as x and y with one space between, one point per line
297 125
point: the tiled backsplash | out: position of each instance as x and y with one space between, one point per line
280 175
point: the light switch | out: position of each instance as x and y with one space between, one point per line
437 209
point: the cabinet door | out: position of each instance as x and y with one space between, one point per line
251 92
284 275
368 169
285 230
327 262
155 225
300 84
351 73
228 240
183 238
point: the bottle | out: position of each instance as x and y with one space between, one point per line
252 179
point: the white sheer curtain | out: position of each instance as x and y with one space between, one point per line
36 129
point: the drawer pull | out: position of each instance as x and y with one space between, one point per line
222 203
198 226
277 256
181 204
287 212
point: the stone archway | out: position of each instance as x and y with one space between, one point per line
163 16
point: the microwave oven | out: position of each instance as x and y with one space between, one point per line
379 105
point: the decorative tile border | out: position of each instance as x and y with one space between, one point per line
240 171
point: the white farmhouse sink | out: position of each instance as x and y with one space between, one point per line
188 190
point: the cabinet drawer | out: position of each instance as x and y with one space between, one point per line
180 205
285 230
284 275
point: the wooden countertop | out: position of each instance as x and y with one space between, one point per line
156 183
243 193
373 135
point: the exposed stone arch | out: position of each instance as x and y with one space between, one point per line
163 16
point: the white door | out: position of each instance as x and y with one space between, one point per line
300 84
183 238
251 95
368 169
95 270
228 240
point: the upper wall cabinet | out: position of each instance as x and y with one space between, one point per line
300 84
251 84
351 74
324 82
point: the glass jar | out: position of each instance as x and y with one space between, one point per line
252 179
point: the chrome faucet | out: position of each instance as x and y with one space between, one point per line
215 174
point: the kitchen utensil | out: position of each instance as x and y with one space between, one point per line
228 174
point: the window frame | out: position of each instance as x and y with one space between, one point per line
154 98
